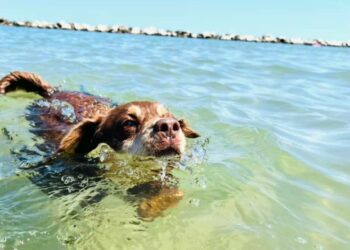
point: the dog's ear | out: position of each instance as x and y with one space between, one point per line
189 132
82 138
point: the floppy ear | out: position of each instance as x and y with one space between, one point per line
189 132
81 138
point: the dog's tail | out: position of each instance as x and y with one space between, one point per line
26 81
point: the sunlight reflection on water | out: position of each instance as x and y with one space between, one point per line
271 170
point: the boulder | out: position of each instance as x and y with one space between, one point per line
283 40
44 25
320 42
64 26
102 28
124 29
208 35
34 24
84 27
18 24
135 31
216 36
114 29
150 31
236 37
163 32
78 27
226 37
296 41
308 42
182 33
248 38
268 39
6 22
335 43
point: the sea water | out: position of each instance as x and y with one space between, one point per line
271 169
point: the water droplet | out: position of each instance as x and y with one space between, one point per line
67 179
66 110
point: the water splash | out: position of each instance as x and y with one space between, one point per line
65 109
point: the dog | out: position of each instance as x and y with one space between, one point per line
75 123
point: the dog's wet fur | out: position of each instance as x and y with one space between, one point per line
75 123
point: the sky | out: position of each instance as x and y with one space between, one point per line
307 19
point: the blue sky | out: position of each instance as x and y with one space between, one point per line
324 19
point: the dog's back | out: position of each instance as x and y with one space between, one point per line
58 111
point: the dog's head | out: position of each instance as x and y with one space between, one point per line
145 128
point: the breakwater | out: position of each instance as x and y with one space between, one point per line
152 31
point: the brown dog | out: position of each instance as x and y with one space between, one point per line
76 123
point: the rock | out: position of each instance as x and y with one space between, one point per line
150 31
124 29
163 32
102 28
34 24
49 25
18 24
308 43
182 33
78 27
335 43
251 38
216 36
64 26
6 22
248 38
55 26
268 39
135 31
236 37
283 40
208 35
44 25
320 42
296 41
228 37
83 27
114 29
168 33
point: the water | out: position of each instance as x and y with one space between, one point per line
271 170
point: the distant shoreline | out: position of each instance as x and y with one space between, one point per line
151 31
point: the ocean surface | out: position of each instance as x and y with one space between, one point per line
271 169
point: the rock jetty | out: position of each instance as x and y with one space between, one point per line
152 31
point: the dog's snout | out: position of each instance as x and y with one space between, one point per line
167 125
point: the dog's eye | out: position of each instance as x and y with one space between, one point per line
130 123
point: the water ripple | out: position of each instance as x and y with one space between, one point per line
277 170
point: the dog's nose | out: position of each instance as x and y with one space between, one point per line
169 126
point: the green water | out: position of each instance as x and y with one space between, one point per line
270 171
